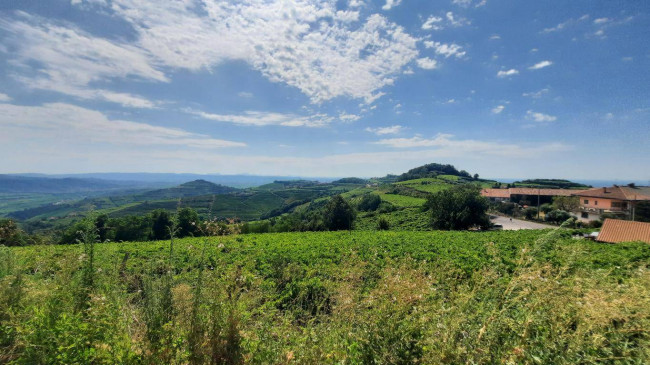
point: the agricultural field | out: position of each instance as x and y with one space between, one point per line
360 297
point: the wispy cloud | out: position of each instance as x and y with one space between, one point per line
245 94
258 118
541 64
433 23
469 3
394 129
450 143
498 109
4 97
345 117
536 94
85 125
506 73
540 117
565 24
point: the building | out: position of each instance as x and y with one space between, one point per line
616 230
619 201
526 196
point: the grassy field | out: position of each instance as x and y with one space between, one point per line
535 297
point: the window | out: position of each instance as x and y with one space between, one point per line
595 202
586 201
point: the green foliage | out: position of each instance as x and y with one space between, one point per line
432 170
11 234
188 223
557 216
338 214
331 297
369 203
545 208
566 203
552 184
642 211
351 180
162 223
459 208
530 213
383 224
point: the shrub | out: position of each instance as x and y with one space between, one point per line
339 214
460 207
530 213
557 216
369 203
382 224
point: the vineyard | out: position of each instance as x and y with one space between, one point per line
361 297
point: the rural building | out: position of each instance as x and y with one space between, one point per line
616 230
617 200
526 196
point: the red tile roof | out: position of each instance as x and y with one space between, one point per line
506 193
616 230
496 193
618 193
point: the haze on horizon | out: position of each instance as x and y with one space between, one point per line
326 88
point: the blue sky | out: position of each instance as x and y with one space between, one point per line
326 88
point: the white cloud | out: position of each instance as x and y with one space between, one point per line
541 64
70 124
4 97
449 143
456 21
506 73
468 3
498 109
432 23
65 59
536 94
563 25
307 44
495 37
394 129
540 117
391 4
445 49
601 20
257 118
345 117
245 94
427 63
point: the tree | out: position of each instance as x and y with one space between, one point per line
530 212
101 223
162 222
338 214
460 207
188 223
383 224
642 211
557 216
475 176
369 203
10 234
566 203
545 208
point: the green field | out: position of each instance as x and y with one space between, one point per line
518 297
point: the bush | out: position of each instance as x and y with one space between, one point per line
382 224
557 216
369 203
530 213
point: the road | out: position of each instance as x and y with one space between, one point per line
517 224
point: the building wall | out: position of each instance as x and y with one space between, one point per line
599 203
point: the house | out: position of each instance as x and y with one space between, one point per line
526 196
616 200
616 230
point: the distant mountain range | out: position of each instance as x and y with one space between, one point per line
166 179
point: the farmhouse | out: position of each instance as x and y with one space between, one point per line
616 200
616 230
526 196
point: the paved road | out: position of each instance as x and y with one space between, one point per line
517 224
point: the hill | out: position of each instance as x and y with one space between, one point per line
27 184
432 170
192 188
551 184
